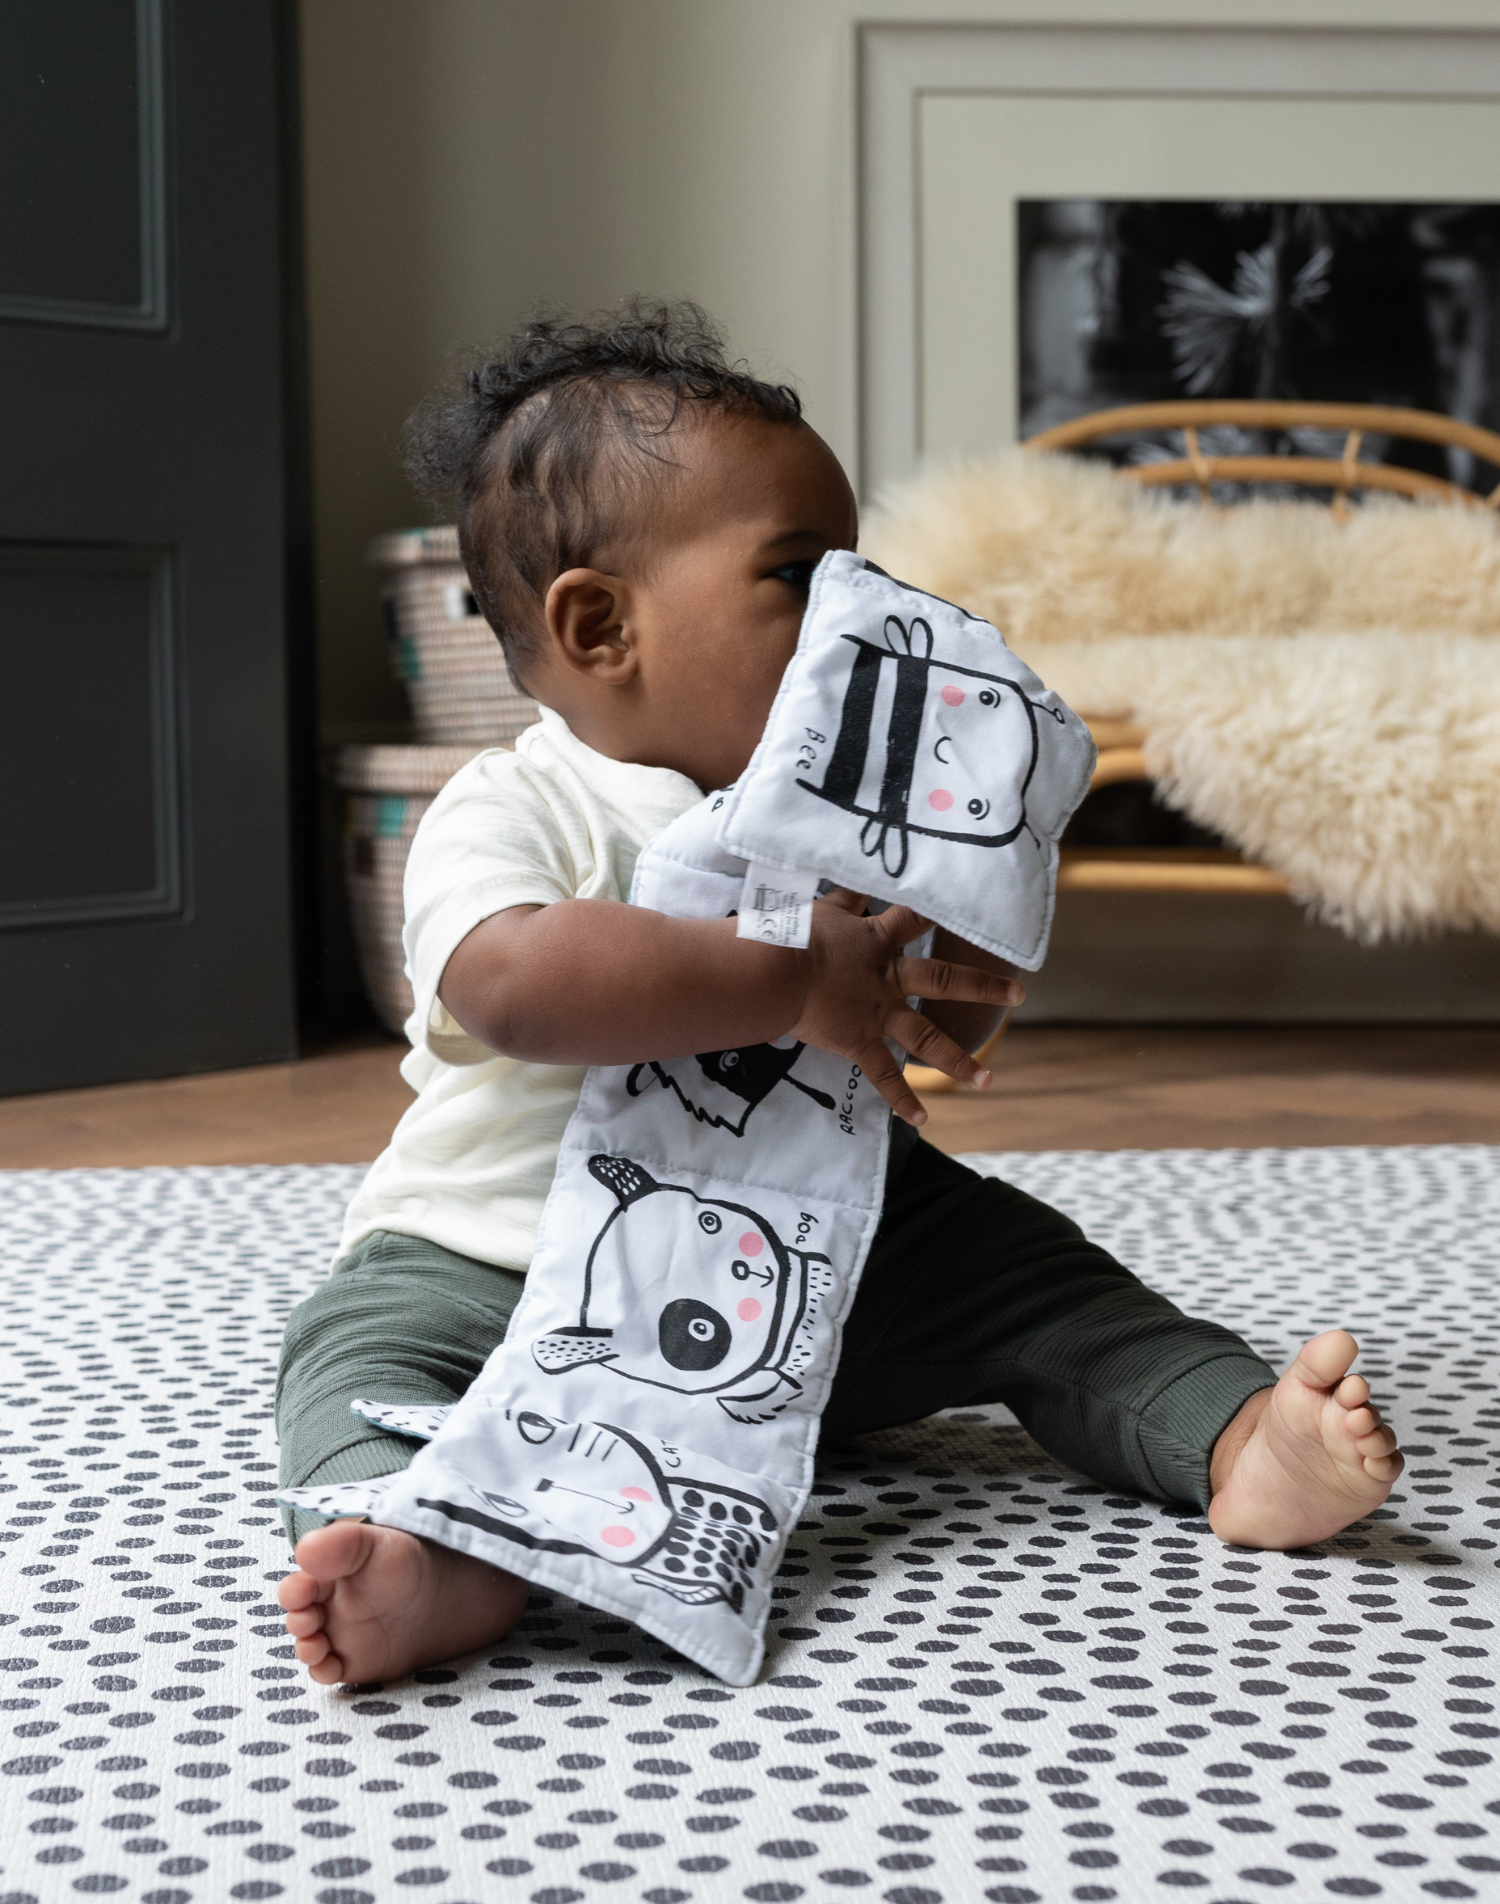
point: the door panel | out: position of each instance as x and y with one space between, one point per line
90 706
82 151
145 902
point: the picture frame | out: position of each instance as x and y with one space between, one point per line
958 124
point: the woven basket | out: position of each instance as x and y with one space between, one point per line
442 649
386 791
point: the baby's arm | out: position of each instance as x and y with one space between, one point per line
592 981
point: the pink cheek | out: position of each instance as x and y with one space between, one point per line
635 1494
940 799
954 696
751 1244
749 1310
617 1537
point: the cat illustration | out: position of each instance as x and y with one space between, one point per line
586 1487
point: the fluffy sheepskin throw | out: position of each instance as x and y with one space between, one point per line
1325 694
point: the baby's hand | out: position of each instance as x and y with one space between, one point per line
858 985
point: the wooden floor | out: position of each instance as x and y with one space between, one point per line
1055 1089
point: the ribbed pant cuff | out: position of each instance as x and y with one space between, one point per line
1187 1417
363 1460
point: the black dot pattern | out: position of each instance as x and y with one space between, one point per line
990 1677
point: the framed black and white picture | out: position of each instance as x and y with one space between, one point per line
1140 300
1055 219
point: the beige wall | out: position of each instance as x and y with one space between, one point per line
464 158
444 193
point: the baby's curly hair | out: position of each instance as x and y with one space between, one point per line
551 440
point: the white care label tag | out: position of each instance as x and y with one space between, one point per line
776 907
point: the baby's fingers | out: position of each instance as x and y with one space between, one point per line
899 925
919 1038
846 900
964 984
889 1080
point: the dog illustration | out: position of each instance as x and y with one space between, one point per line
730 1084
715 1302
918 741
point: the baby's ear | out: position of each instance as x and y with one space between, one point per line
587 614
626 1179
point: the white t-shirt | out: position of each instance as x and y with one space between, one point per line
470 1164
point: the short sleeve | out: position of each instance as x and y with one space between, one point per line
498 835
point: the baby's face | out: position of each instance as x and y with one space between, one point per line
715 601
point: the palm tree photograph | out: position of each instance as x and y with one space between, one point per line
1136 301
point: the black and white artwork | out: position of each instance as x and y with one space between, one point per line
588 1487
731 1308
916 740
722 1088
685 1537
1140 300
913 757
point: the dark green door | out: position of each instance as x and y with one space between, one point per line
147 682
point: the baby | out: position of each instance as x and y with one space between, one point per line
640 521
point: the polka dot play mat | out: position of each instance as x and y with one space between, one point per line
990 1678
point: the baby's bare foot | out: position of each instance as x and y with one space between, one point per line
1303 1459
374 1602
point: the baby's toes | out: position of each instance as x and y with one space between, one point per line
329 1670
1378 1441
1384 1467
305 1622
1325 1360
1361 1421
1352 1392
296 1591
313 1648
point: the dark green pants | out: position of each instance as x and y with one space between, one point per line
973 1292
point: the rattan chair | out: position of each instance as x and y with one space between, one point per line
1204 870
1172 869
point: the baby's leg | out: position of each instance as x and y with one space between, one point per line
976 1292
400 1320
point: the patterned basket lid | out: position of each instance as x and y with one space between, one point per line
403 548
397 769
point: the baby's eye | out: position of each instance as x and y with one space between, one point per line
797 575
